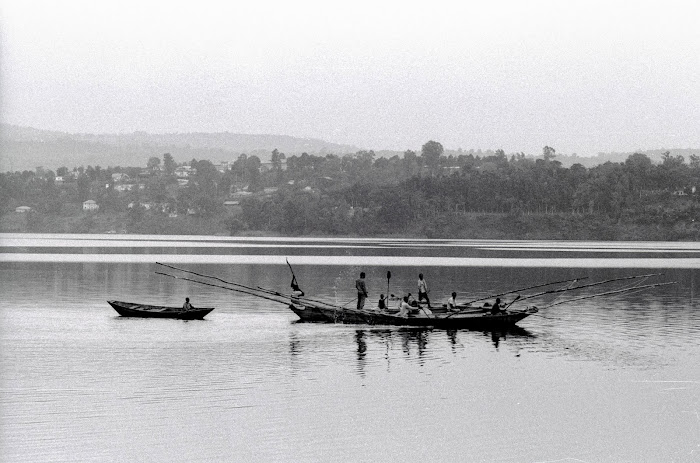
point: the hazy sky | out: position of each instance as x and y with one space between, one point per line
581 76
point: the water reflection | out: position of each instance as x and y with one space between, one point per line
361 351
249 381
503 333
375 346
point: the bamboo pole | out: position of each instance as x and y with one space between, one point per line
224 287
611 292
525 289
260 289
589 285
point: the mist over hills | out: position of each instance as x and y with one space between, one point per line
25 148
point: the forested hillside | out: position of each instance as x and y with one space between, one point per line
424 194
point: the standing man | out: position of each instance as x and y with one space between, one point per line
361 291
423 289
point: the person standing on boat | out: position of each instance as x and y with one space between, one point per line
361 291
187 306
423 289
382 302
452 303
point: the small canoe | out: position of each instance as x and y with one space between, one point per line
130 309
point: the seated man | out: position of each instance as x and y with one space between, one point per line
496 308
411 300
404 307
187 306
452 303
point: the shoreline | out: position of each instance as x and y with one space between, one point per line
488 226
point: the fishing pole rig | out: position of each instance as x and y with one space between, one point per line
259 292
637 286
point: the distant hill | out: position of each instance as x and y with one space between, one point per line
569 160
602 158
24 148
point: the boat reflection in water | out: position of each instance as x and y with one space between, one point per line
417 344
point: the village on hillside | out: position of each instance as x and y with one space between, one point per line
416 194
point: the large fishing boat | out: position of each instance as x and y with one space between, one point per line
471 318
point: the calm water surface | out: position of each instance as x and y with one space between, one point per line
613 379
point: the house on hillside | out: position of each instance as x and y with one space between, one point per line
240 194
184 171
23 209
223 166
268 166
122 187
233 206
90 205
690 190
119 177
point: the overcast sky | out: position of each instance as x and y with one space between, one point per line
581 76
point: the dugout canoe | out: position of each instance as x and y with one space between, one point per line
131 309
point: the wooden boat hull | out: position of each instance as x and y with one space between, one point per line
310 313
130 309
474 319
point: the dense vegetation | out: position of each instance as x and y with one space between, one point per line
418 194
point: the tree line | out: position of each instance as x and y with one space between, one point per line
419 193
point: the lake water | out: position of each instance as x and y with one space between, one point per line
609 379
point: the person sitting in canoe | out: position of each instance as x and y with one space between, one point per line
496 308
452 303
187 306
404 307
411 300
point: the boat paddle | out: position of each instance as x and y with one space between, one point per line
388 277
511 303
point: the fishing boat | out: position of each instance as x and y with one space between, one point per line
466 315
130 309
468 318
